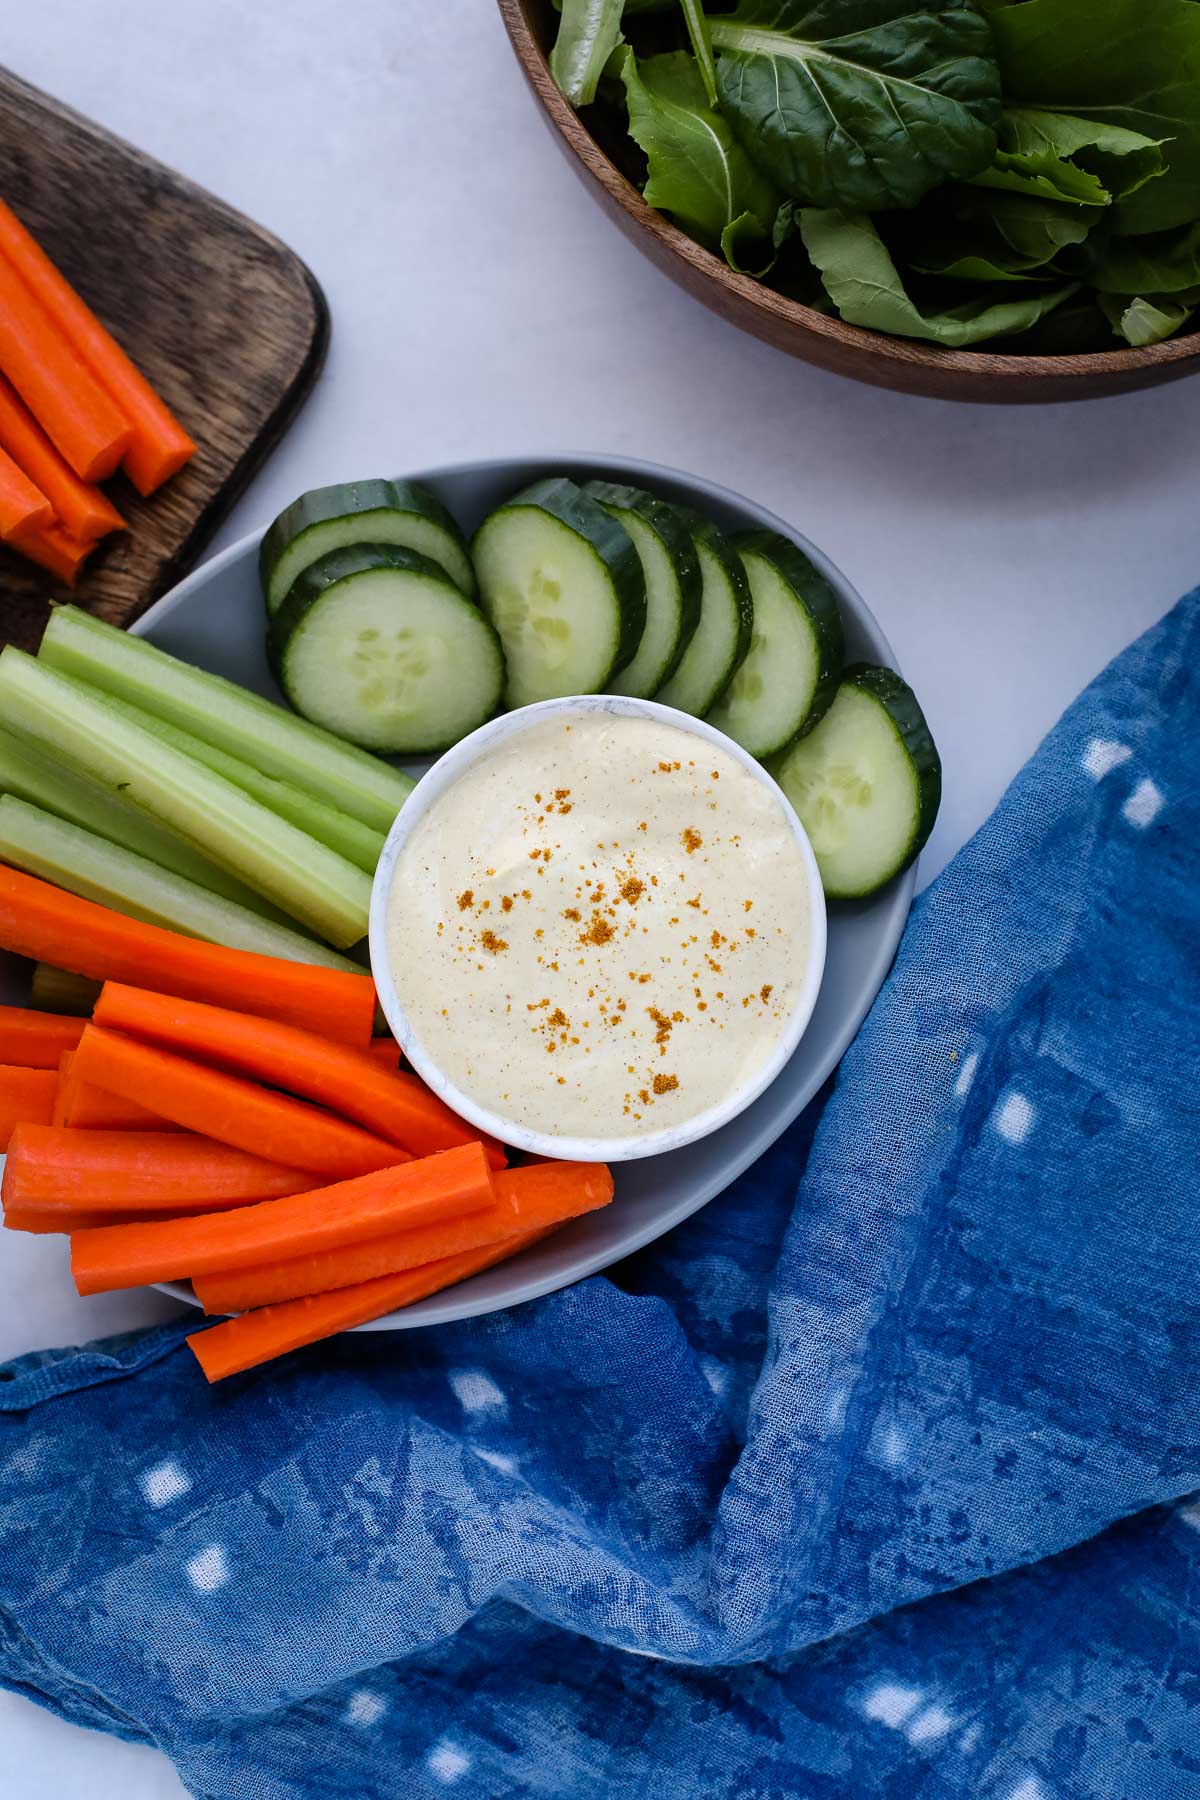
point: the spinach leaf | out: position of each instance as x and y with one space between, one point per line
859 103
1056 156
865 286
588 33
1130 63
1142 322
1164 263
997 237
698 170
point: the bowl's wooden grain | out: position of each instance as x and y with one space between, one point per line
890 362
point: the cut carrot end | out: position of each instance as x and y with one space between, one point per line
51 548
79 506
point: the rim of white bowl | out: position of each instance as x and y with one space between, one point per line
467 754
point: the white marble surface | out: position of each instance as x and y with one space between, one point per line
482 305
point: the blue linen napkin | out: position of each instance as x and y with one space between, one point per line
868 1481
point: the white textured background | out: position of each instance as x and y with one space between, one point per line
482 305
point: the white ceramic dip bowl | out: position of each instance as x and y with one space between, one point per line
466 932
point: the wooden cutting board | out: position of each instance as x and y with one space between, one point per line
226 322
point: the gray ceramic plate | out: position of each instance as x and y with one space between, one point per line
214 618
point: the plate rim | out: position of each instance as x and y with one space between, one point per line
459 1303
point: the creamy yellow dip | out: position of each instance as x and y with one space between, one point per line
602 928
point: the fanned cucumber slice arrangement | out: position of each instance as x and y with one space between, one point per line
562 583
789 677
388 632
866 782
721 639
377 644
671 572
360 512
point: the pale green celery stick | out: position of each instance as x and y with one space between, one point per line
58 991
222 713
31 773
314 885
91 867
348 836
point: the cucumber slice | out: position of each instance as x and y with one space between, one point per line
314 886
866 782
33 774
96 870
562 583
360 512
222 713
790 673
376 643
356 842
671 572
722 638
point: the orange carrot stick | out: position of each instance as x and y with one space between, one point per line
62 1221
398 1108
259 1337
50 547
89 1108
23 507
385 1051
64 396
159 445
36 1040
26 1096
533 1198
233 1111
42 922
81 509
123 1256
109 1170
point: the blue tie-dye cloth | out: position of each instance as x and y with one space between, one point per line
854 1455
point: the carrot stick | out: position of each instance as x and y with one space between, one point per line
385 1051
527 1199
80 507
437 1187
36 1040
88 1108
233 1111
72 408
398 1108
51 548
40 921
110 1170
63 1221
26 1095
22 505
159 445
258 1337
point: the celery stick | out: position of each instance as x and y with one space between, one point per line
90 866
31 773
348 836
244 724
58 991
314 885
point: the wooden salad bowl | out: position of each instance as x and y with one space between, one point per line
871 356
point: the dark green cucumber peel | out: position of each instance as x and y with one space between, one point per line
667 522
704 533
904 710
360 504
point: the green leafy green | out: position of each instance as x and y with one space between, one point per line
1130 63
1165 263
698 171
1141 322
1056 156
588 33
859 103
865 285
1000 237
702 49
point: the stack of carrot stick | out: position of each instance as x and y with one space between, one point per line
73 408
230 1121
